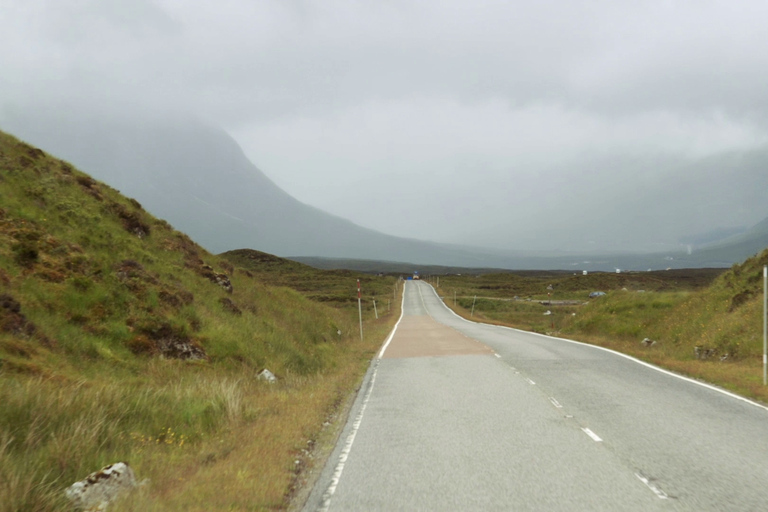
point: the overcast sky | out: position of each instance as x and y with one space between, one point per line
481 121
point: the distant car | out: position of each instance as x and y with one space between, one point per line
596 294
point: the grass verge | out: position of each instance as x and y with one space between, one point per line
706 325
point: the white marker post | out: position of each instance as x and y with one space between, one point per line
360 309
472 313
765 325
375 311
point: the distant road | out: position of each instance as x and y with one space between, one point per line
464 416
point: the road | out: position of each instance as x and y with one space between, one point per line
456 415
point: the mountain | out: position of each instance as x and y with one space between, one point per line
198 178
734 248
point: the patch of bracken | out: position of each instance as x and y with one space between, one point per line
132 221
216 277
13 321
739 299
169 341
230 306
176 299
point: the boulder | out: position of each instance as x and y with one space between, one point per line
267 376
96 491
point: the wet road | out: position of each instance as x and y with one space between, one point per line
456 415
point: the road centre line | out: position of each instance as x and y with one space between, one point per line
591 434
555 402
530 381
658 492
625 356
422 301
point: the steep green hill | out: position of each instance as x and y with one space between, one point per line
122 339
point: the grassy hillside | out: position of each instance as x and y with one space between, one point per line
706 323
122 339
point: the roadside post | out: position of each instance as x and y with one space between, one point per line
360 309
472 313
375 311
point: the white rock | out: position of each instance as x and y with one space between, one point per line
99 489
267 375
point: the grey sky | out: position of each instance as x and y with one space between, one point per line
491 122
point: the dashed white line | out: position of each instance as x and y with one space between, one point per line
591 434
555 402
658 492
497 355
614 352
530 381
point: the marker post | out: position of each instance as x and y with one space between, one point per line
360 309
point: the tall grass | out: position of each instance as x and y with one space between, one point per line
82 383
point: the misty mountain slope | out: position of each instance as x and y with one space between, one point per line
198 178
731 249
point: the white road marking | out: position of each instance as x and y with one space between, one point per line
392 334
497 355
422 299
530 381
625 356
591 434
555 402
658 492
329 492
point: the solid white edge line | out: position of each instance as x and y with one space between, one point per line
591 434
339 469
392 334
625 356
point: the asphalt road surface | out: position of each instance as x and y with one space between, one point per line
456 415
